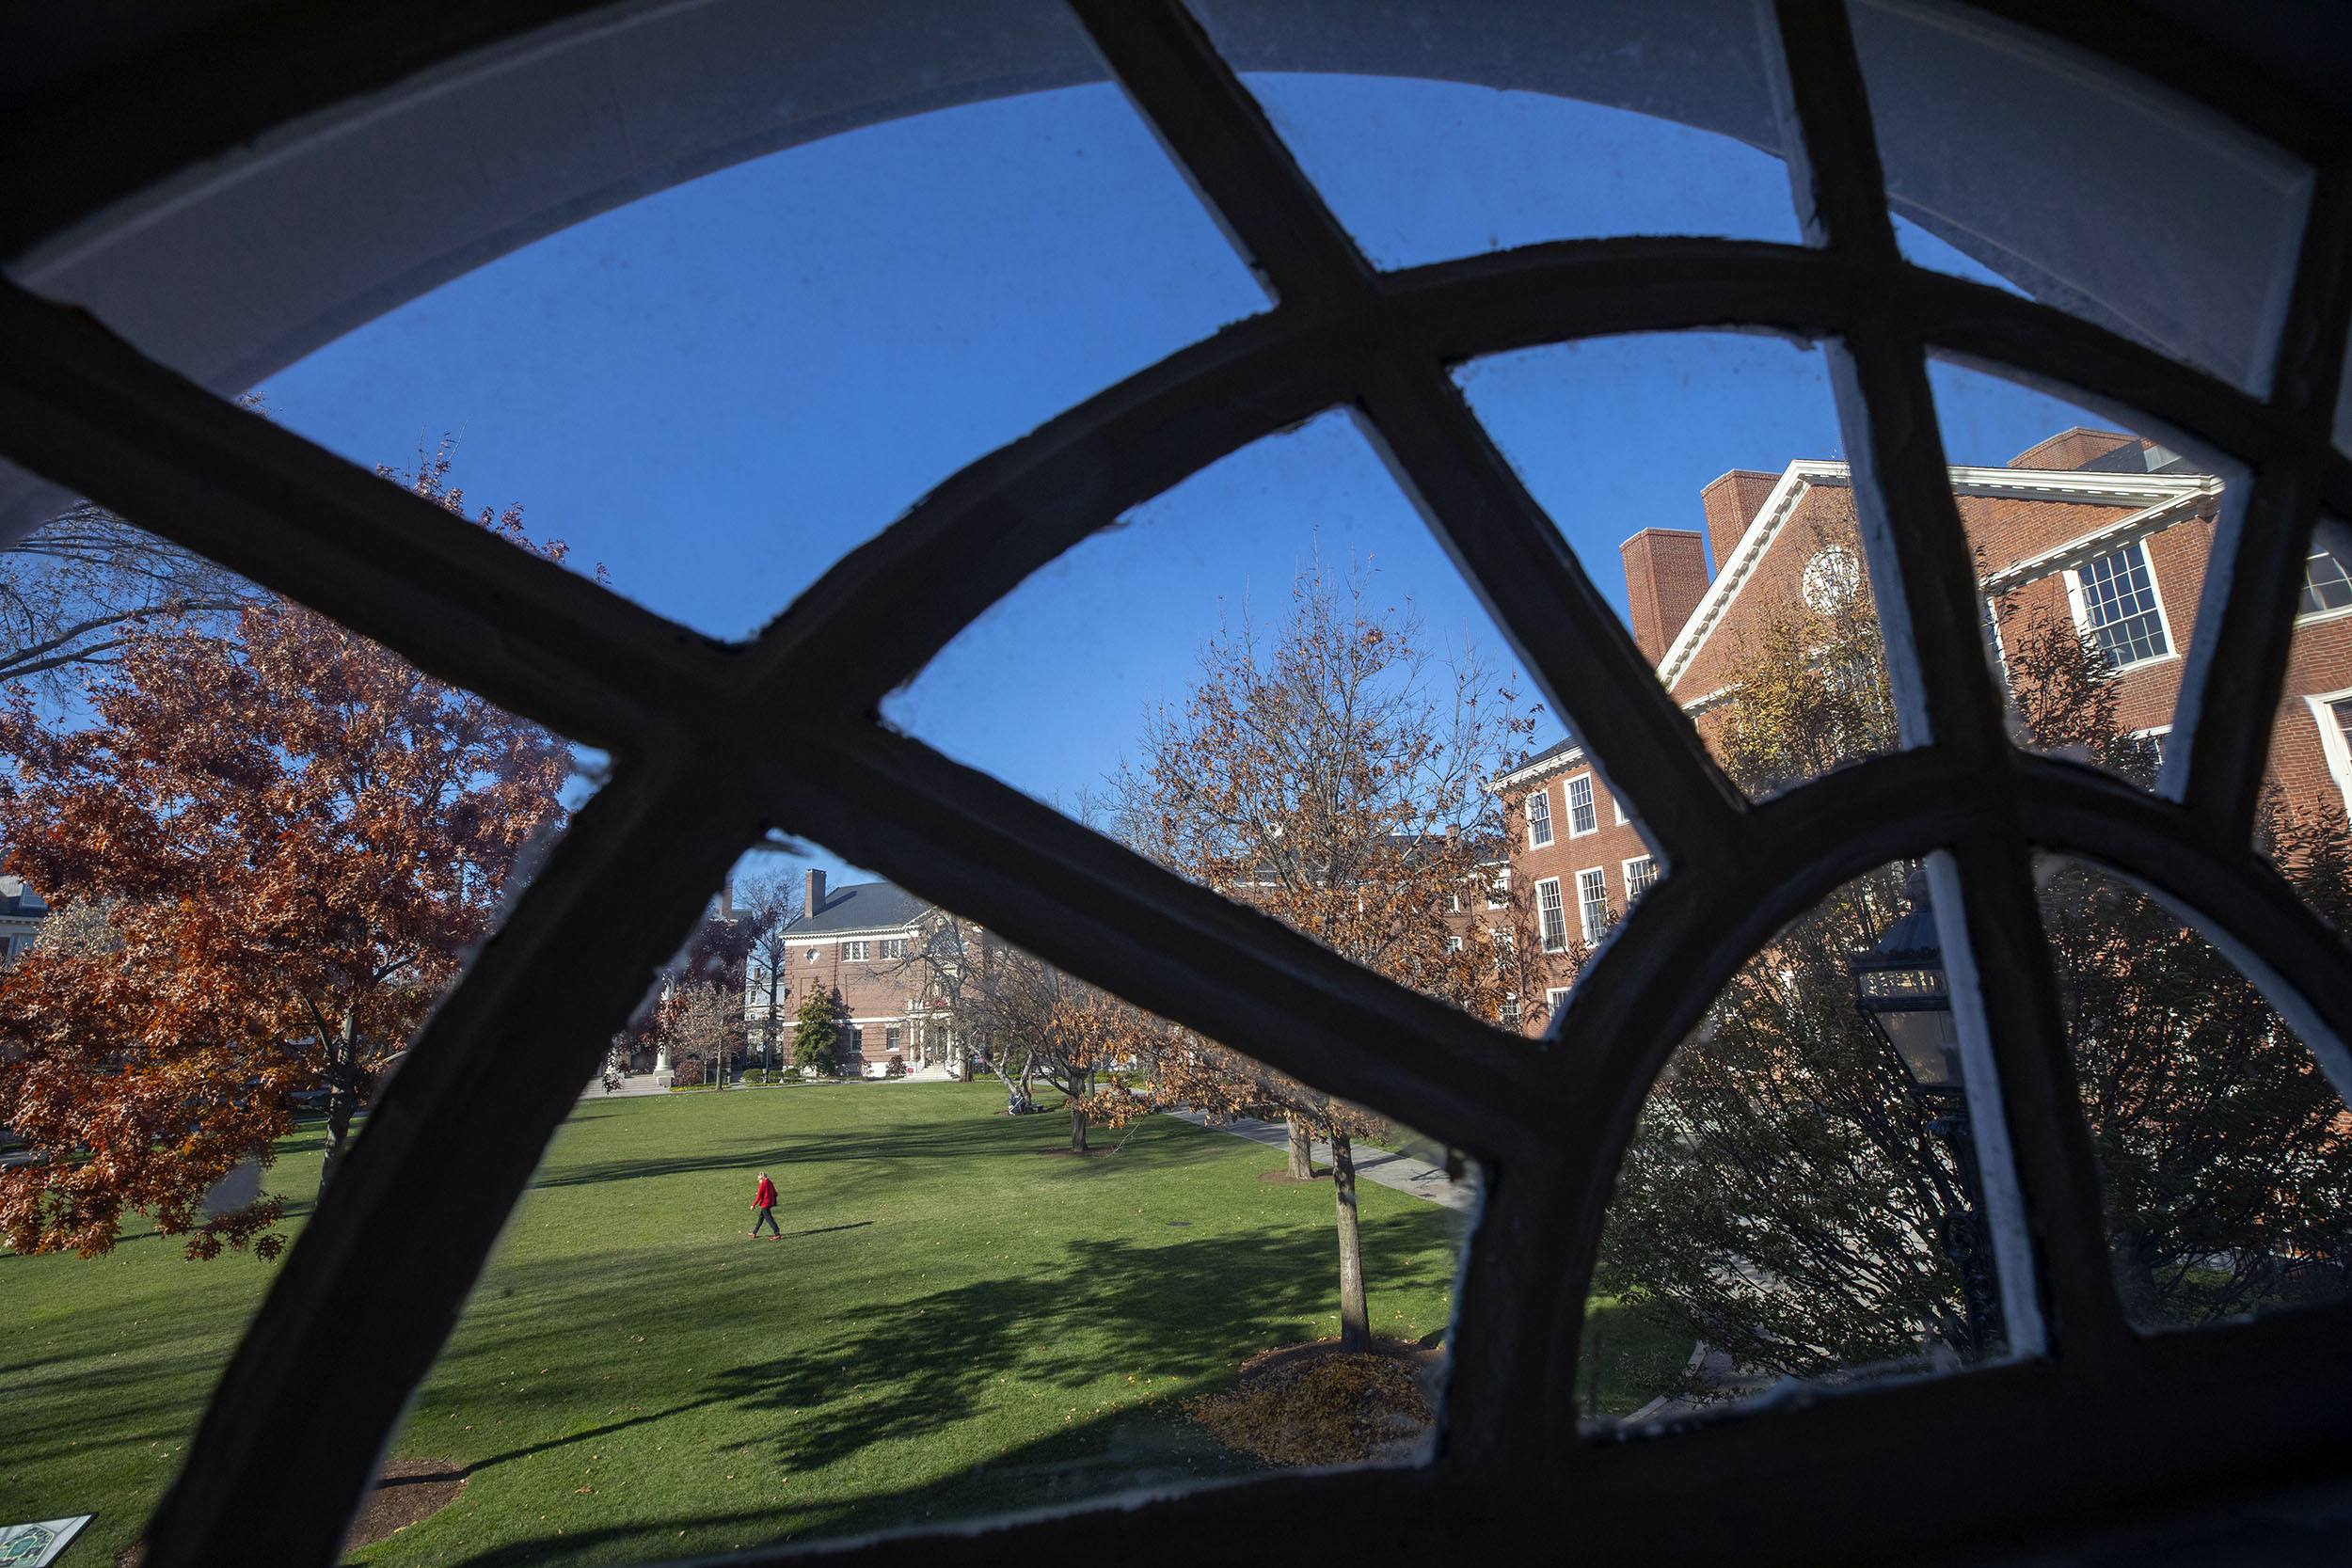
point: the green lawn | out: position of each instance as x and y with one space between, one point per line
954 1324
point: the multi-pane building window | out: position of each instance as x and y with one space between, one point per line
892 1036
893 948
1592 901
2341 711
1539 819
1640 872
2326 586
856 952
1553 997
1552 919
2120 607
1581 818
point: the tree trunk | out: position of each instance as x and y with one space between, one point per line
342 1097
1077 1127
1302 1152
1355 1317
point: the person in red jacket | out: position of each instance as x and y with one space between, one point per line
764 1199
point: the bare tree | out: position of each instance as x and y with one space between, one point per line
764 904
1336 775
75 591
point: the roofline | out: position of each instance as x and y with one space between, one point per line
1528 772
2155 496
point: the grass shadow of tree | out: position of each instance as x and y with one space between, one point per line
1175 1308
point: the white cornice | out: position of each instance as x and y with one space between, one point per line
1542 767
2109 536
2155 499
1732 575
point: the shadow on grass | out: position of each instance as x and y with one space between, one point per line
1178 1311
897 1142
851 1160
1086 1463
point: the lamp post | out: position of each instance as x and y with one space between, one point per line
1902 993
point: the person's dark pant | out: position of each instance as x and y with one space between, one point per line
768 1218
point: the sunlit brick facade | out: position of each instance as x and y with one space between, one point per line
2101 530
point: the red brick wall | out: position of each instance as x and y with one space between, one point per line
1665 575
1731 504
2072 449
2319 660
874 990
1822 517
1609 845
2006 528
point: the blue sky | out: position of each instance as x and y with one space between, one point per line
716 392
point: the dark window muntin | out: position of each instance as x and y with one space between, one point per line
91 416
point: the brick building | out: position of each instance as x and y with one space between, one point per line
21 910
867 941
2107 530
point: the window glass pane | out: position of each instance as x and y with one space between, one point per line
1699 478
709 391
285 243
1054 1254
1607 120
2301 824
2226 1153
1272 681
2092 541
2089 190
1796 1203
249 851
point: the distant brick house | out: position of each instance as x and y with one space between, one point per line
864 941
2105 530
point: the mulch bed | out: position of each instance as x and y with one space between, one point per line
409 1492
1309 1404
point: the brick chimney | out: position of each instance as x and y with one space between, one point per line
816 895
1731 504
1665 575
2073 449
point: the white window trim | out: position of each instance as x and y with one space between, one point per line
862 945
2080 608
1542 937
1591 783
1625 872
1544 795
1553 997
1591 938
2331 744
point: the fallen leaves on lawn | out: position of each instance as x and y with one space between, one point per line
1327 1410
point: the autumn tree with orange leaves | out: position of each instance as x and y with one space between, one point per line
295 837
1335 774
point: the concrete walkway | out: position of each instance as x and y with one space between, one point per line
1402 1172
